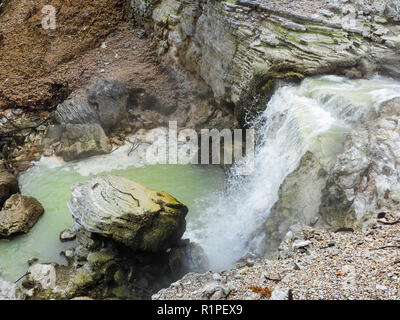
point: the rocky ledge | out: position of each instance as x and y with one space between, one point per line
239 48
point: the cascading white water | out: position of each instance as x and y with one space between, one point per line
316 116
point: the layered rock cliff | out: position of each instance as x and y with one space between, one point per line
236 45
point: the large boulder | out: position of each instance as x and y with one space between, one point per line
8 185
109 99
82 126
127 212
80 141
76 112
19 214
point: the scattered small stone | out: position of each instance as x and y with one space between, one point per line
381 287
301 244
216 277
280 293
67 235
141 33
17 112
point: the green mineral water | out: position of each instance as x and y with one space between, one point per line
50 181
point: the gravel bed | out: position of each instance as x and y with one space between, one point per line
311 264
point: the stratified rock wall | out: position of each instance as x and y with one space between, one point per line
227 44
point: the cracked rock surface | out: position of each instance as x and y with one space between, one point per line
127 212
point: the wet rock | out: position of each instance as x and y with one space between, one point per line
67 235
8 185
19 215
127 212
80 141
109 99
42 276
128 241
10 291
187 257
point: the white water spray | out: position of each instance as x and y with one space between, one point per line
314 116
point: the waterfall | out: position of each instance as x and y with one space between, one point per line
316 116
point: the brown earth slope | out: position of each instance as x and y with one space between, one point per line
30 56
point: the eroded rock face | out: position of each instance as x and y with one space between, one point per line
228 44
19 214
8 185
127 212
299 201
351 191
366 178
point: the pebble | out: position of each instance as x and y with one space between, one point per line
301 244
